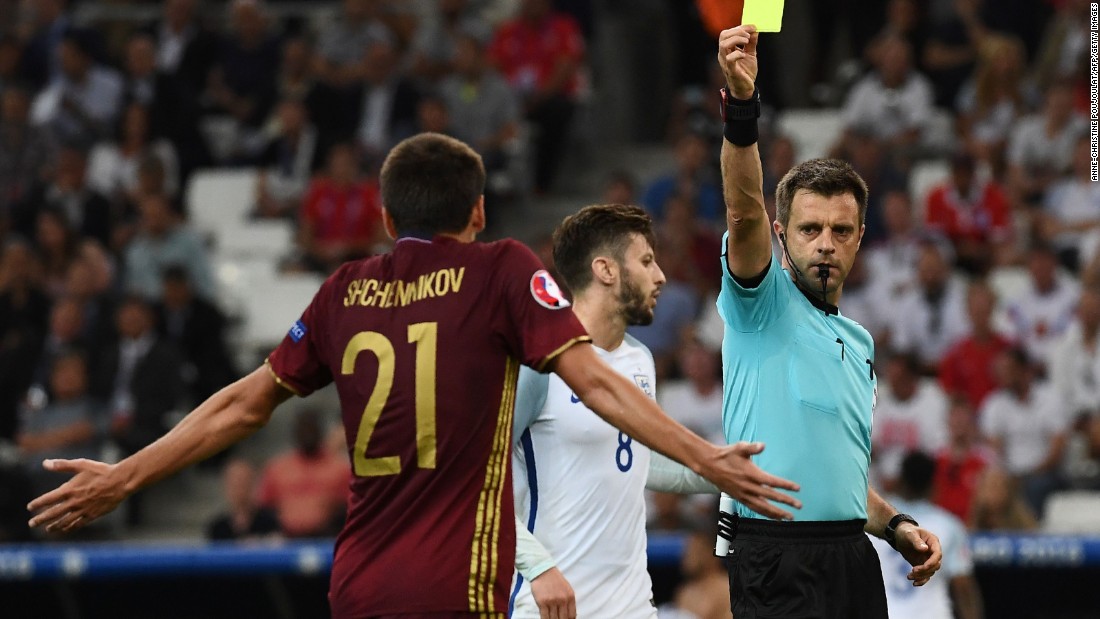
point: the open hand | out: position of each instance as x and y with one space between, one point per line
737 57
735 473
91 493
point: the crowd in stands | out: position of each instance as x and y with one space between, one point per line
982 293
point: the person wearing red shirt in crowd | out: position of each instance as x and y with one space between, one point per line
960 464
307 487
540 54
341 214
424 344
967 367
973 213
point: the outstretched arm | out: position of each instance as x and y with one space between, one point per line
622 404
667 475
748 249
920 547
96 488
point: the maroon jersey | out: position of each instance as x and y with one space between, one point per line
424 345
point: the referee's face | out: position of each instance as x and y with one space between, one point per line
823 230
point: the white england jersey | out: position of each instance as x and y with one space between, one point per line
579 487
933 600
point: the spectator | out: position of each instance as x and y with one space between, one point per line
1041 145
695 400
83 103
955 593
891 263
296 81
967 368
185 50
687 246
307 486
779 159
1062 51
341 215
164 240
56 245
991 102
242 81
1070 214
974 213
540 54
955 34
483 110
894 101
620 187
387 103
139 377
998 505
26 152
1026 425
704 594
66 427
911 415
1044 309
244 519
65 333
959 465
86 286
113 166
692 179
1075 361
196 327
69 194
435 47
288 162
930 316
24 307
874 160
39 63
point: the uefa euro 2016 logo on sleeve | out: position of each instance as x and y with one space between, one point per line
546 291
297 331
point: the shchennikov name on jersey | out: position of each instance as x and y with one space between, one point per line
375 293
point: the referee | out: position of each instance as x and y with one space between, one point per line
800 377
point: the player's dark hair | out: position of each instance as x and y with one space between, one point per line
601 229
430 184
917 471
824 177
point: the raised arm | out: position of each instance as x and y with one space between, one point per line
225 418
748 249
619 402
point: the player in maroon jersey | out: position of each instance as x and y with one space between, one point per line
424 345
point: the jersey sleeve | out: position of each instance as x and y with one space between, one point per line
532 558
666 475
531 392
541 326
751 309
297 363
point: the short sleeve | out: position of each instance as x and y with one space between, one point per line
297 363
752 309
540 324
531 390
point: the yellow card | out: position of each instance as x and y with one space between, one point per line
766 15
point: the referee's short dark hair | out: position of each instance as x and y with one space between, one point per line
431 183
595 230
825 177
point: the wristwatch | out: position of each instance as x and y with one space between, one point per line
739 109
890 532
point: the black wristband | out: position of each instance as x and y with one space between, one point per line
890 532
739 117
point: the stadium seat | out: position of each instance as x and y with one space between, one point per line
814 131
220 200
1073 511
271 240
271 307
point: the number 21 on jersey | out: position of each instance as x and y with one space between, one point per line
424 336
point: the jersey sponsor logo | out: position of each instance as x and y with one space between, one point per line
573 398
297 331
546 291
643 383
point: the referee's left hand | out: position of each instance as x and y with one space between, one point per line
921 548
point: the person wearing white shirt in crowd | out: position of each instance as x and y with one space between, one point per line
1043 311
695 400
1075 372
1041 145
894 101
911 414
579 483
1070 217
931 315
1026 424
955 594
83 102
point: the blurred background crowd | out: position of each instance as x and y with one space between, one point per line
167 168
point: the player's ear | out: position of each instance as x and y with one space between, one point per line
387 223
477 217
604 270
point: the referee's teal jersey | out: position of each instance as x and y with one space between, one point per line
799 377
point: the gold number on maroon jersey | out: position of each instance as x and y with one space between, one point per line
424 335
